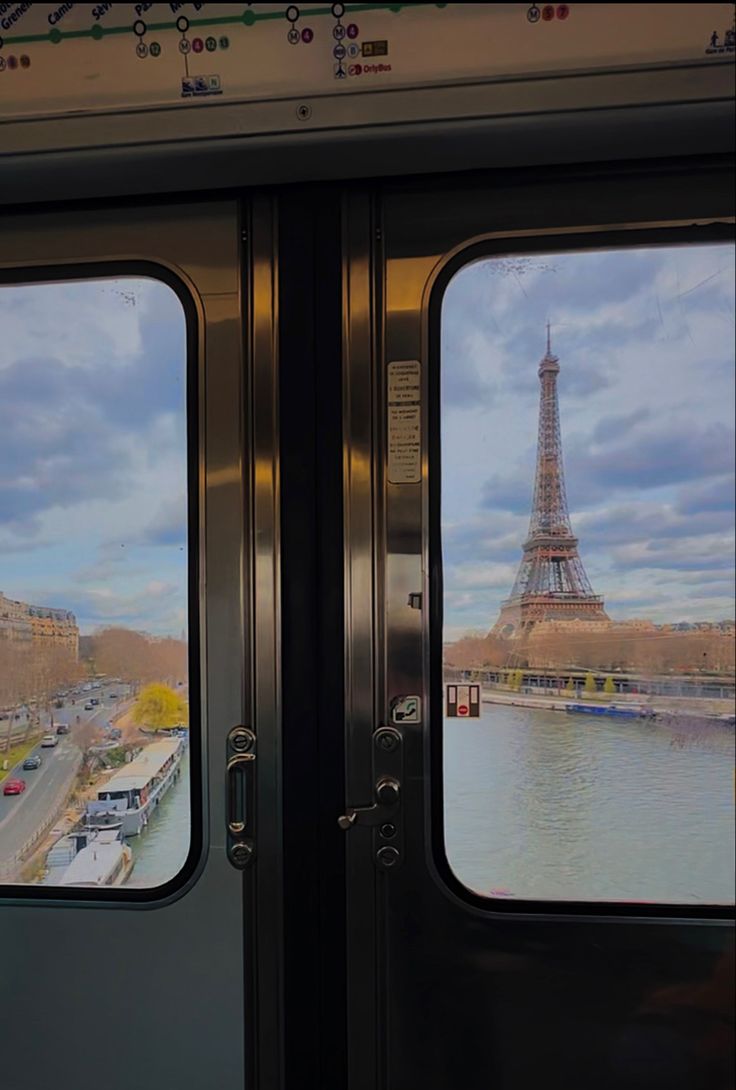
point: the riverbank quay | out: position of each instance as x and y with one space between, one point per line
66 812
675 710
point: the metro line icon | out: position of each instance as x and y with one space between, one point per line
200 86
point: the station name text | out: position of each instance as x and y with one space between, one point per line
11 13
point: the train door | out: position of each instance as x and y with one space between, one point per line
138 410
532 901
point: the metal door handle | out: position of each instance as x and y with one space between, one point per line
239 791
240 796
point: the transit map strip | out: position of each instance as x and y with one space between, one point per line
247 18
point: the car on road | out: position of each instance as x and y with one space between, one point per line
34 761
58 703
14 787
112 696
49 741
89 706
62 728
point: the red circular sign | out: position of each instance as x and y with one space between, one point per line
462 709
563 11
548 13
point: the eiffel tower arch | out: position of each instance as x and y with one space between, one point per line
551 583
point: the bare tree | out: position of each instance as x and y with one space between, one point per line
139 658
616 648
30 673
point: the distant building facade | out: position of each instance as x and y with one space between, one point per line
722 628
26 624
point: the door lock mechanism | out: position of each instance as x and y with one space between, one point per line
239 795
387 793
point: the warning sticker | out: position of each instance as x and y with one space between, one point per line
406 709
462 701
404 422
404 381
404 444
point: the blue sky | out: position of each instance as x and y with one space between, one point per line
92 436
645 340
93 451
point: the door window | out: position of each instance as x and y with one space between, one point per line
587 520
96 697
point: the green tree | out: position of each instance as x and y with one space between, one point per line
589 686
159 707
608 686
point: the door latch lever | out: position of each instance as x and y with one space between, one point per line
387 793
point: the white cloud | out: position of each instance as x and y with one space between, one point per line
96 372
646 347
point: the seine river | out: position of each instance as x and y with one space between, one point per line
541 805
161 850
544 805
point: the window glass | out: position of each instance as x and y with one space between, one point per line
587 437
94 693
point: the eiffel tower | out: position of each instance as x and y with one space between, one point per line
551 583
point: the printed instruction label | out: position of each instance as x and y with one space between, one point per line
404 422
406 709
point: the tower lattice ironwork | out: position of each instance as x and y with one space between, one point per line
551 583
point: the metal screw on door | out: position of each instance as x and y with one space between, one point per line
387 739
387 857
241 854
242 739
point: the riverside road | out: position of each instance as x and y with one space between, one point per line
21 815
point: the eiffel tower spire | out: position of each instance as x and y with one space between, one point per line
551 583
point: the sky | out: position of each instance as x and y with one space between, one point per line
93 451
93 436
645 340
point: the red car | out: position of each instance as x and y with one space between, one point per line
14 787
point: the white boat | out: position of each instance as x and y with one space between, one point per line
132 794
105 861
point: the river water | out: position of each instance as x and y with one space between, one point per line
543 805
161 850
